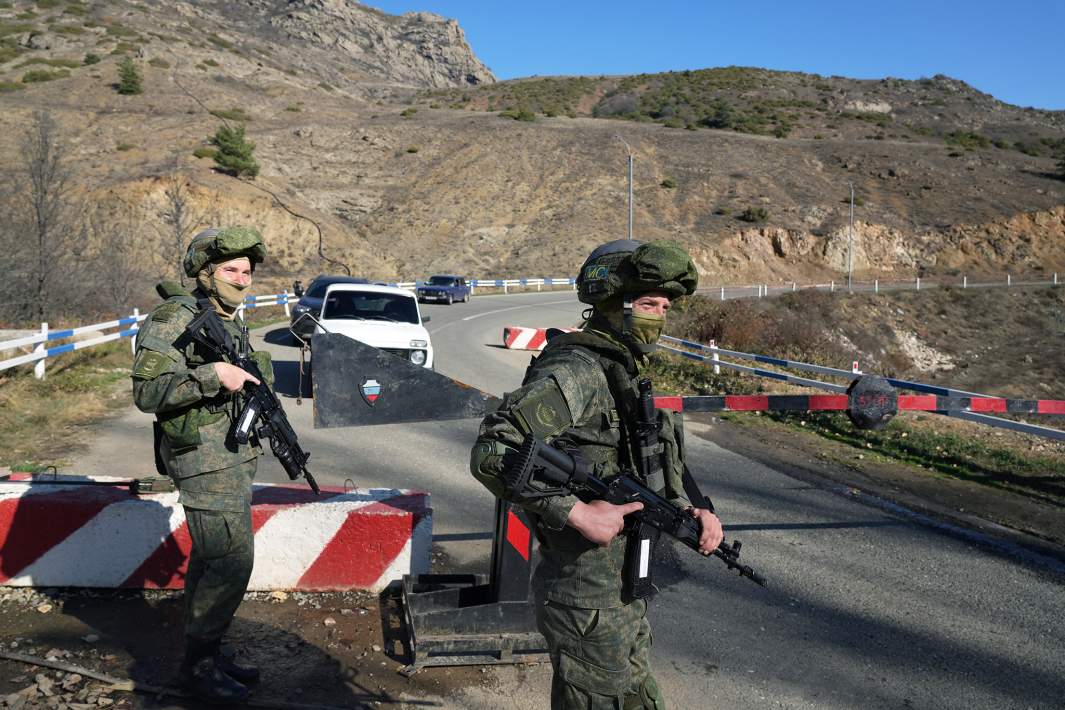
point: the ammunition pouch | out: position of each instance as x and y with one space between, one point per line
182 428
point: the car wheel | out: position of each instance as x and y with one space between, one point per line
450 299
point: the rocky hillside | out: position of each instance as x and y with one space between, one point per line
387 134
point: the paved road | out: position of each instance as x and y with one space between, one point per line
867 607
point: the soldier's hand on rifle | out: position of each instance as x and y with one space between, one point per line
712 534
600 521
232 377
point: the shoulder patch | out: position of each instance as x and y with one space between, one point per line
542 411
149 364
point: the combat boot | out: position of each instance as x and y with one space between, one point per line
227 662
202 677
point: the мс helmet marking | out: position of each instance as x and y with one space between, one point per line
624 268
212 245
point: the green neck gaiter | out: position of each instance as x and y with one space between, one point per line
646 328
225 295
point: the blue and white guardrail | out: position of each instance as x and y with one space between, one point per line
715 354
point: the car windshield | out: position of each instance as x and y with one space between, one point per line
441 281
366 305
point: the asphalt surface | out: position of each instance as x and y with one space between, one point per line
867 606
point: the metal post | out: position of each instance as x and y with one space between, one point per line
38 369
1055 278
133 338
918 283
831 286
629 149
1009 280
876 285
723 288
850 241
505 286
715 357
288 313
794 286
965 282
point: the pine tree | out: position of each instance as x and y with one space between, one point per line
234 154
129 78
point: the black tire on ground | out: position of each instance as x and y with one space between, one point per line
450 299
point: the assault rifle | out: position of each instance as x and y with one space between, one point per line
261 407
536 466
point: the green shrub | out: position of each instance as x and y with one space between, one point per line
119 31
91 58
669 183
205 152
754 214
123 48
38 75
234 114
129 78
234 155
64 63
28 15
412 149
294 109
68 29
123 147
722 210
326 85
75 8
219 42
209 63
6 86
13 29
967 140
518 114
47 4
159 62
408 112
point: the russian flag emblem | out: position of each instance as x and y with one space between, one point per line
370 390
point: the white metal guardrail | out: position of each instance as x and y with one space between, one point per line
285 299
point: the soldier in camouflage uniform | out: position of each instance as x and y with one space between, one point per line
576 394
194 399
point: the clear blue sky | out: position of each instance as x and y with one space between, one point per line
1012 49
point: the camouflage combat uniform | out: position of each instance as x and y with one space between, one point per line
174 378
581 392
600 644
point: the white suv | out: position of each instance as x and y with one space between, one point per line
385 317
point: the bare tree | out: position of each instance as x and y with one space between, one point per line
179 220
52 215
119 273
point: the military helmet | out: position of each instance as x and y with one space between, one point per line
212 245
625 267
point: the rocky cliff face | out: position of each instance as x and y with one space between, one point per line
416 49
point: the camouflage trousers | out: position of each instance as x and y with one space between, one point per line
223 551
601 658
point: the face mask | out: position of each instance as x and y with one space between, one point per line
225 295
646 328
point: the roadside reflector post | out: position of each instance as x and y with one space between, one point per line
723 288
136 326
288 313
505 287
918 283
38 369
794 286
715 357
831 286
876 285
1009 280
1055 278
965 282
854 368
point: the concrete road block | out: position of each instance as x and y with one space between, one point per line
102 536
516 337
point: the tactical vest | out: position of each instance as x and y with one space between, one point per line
574 570
193 439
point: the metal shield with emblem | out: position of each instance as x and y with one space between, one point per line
370 391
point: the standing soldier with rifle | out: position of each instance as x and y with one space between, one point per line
195 398
581 396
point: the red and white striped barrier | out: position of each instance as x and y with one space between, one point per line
516 337
102 536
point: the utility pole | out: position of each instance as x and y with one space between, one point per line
629 149
850 241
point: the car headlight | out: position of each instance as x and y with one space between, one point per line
301 308
417 357
419 343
